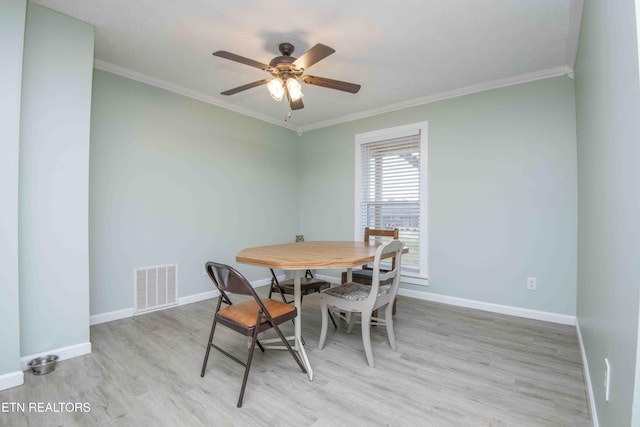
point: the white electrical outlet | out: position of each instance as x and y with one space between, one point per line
607 378
531 283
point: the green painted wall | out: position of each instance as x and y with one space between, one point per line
12 24
54 182
175 180
502 192
172 180
608 132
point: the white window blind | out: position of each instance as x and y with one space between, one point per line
391 193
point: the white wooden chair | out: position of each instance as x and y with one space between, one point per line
355 297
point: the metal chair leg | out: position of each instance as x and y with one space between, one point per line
293 353
213 329
209 345
335 326
254 339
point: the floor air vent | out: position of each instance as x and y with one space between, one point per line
155 287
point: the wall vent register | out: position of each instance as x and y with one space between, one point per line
155 287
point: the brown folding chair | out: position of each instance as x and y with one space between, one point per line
249 317
365 275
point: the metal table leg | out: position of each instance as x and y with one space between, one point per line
297 301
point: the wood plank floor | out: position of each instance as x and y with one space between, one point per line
453 367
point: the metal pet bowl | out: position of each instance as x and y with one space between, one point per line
43 365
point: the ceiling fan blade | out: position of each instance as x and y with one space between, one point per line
331 84
296 105
241 59
245 87
313 55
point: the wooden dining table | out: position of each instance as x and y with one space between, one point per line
300 256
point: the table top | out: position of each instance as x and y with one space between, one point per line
303 255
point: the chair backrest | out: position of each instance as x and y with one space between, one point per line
229 280
395 247
373 232
379 232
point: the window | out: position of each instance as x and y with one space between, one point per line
391 190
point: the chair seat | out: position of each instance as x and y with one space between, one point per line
368 274
362 276
307 286
353 291
242 316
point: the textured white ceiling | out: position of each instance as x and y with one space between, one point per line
402 52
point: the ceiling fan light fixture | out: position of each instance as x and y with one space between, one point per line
287 74
295 89
276 89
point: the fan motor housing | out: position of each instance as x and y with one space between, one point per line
282 60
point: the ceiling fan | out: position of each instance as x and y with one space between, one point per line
287 72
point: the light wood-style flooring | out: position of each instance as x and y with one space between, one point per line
453 367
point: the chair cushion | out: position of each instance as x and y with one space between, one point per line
245 313
356 291
364 276
362 273
307 286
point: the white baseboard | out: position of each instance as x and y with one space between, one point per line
12 379
428 296
110 316
63 353
478 305
190 299
263 282
493 308
96 319
587 379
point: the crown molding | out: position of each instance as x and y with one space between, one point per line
163 84
468 90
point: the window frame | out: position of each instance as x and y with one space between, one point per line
382 135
